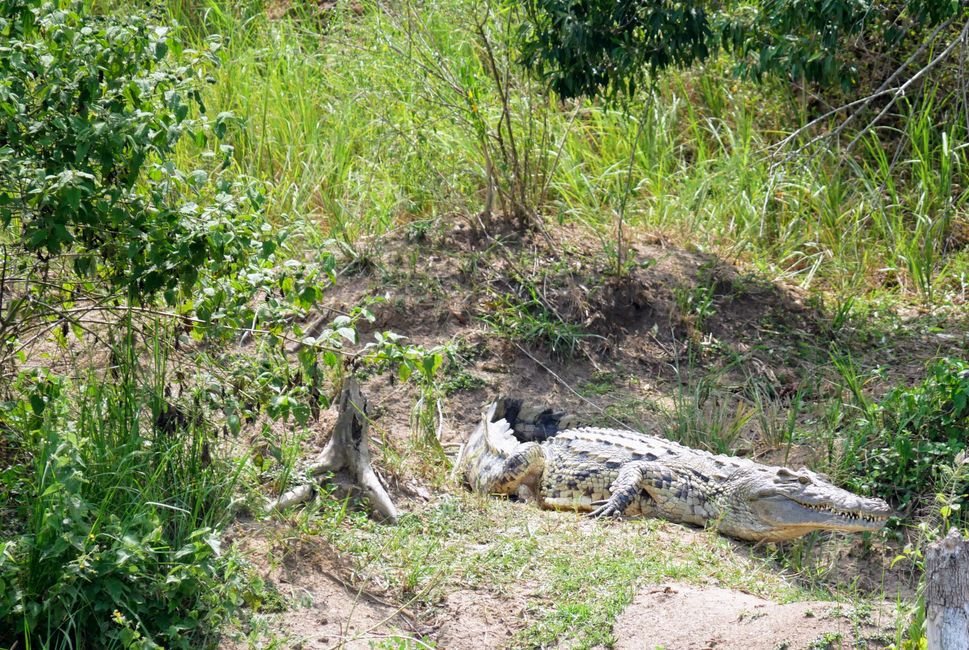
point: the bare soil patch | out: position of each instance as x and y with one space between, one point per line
677 616
321 611
473 620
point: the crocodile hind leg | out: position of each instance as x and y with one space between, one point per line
670 490
524 467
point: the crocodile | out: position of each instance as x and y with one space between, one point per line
615 472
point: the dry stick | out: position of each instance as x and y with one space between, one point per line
407 615
401 611
503 95
192 319
346 637
963 81
431 68
403 608
65 315
558 154
901 90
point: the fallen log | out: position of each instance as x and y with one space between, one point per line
947 593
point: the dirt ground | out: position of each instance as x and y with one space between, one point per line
677 616
321 611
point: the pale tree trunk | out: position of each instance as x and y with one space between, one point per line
947 593
348 449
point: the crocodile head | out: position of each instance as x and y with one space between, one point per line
776 504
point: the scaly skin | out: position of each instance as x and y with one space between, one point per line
609 472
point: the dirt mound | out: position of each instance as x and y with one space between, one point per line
682 617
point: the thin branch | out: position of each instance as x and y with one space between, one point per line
861 103
901 90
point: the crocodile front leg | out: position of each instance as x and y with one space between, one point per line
676 497
524 467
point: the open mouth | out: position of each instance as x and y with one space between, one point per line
850 515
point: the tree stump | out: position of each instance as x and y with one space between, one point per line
349 449
947 593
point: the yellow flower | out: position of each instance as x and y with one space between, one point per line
118 617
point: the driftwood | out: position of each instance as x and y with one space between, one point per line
348 449
947 593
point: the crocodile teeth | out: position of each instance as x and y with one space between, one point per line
844 513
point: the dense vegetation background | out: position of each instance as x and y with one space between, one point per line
182 183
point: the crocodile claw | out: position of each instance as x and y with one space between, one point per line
605 509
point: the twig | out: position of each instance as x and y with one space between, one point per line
440 422
863 103
621 217
407 615
253 330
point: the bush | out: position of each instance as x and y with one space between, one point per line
118 509
96 214
903 446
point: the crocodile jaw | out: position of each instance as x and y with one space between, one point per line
781 517
790 504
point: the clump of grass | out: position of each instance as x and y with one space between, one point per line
533 322
706 416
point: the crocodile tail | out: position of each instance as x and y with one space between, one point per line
487 448
533 422
499 436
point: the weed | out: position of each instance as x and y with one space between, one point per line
120 542
461 381
827 641
705 416
602 383
533 322
695 303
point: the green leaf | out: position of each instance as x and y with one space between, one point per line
37 403
348 333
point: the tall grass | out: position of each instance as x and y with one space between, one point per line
118 545
356 135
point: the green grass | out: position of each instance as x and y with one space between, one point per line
119 542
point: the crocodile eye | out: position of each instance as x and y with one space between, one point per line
804 480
